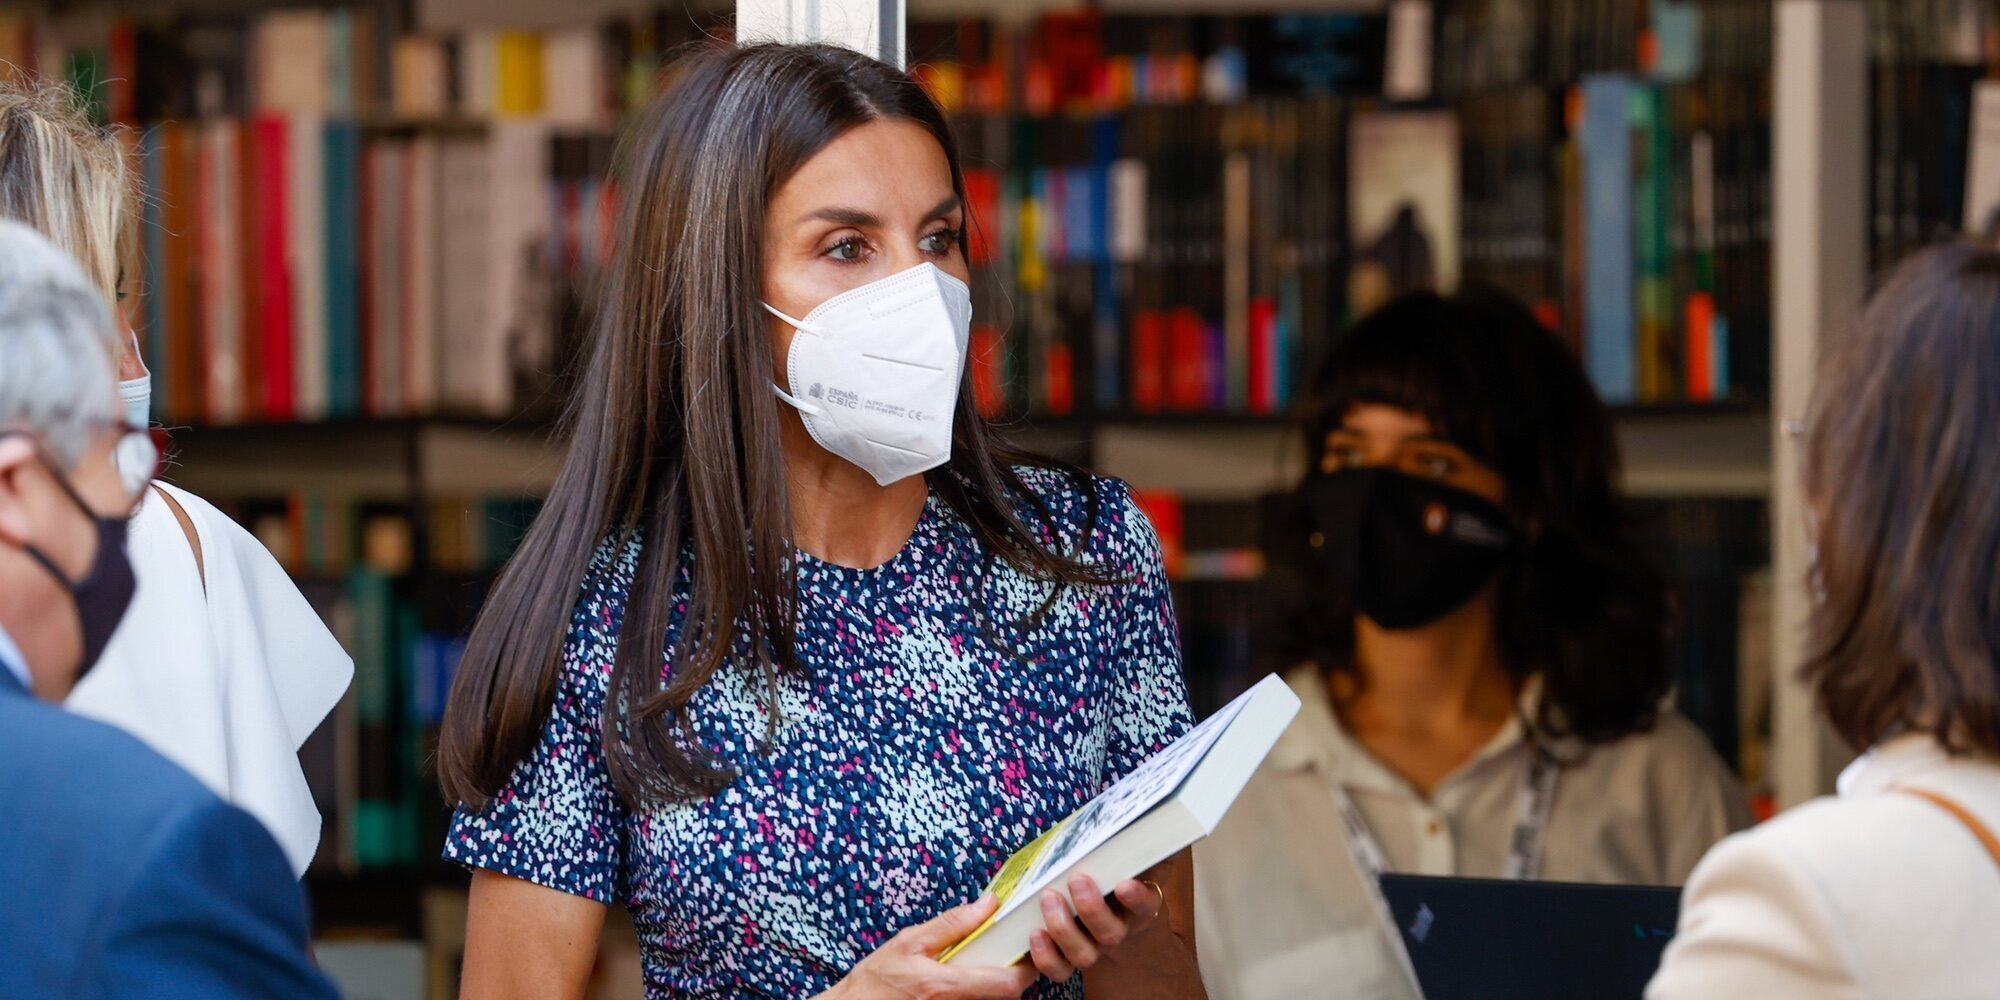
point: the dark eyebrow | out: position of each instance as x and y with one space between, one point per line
843 217
944 208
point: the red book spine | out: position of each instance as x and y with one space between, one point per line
1163 509
275 315
1700 347
122 52
982 197
1190 360
1148 353
1060 381
250 267
1263 355
987 391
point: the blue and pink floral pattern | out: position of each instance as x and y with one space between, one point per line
927 735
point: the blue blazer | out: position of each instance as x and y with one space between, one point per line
122 876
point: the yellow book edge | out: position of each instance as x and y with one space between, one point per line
1007 880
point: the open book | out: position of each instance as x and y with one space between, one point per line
1172 800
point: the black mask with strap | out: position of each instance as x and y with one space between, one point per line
1409 550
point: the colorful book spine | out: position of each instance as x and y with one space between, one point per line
250 265
343 212
1610 307
1658 356
274 255
307 238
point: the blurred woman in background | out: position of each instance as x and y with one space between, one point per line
1482 653
1892 889
220 665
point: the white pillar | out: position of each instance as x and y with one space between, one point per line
871 26
1819 194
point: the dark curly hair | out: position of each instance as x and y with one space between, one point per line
1582 604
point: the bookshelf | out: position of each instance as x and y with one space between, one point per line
1190 174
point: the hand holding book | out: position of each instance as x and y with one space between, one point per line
1067 945
908 966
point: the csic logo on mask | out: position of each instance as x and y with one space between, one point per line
817 391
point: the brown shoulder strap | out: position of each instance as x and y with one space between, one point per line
1965 816
187 528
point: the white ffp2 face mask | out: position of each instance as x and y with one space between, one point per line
136 396
874 370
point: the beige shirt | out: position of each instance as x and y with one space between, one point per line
1872 894
1281 911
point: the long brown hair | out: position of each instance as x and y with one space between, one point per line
1903 478
674 436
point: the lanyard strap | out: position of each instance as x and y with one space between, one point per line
1524 846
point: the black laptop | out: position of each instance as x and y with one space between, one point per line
1498 939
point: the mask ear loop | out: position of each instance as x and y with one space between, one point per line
810 409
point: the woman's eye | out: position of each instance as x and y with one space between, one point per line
848 249
1437 466
1344 456
939 242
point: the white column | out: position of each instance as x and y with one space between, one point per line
871 26
1820 272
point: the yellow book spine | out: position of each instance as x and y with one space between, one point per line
519 55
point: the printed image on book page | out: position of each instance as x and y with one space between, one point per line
1127 800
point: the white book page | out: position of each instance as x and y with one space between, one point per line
1127 800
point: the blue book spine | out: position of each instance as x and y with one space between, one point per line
1284 340
1103 151
1106 328
1218 367
152 152
343 274
1719 354
1610 303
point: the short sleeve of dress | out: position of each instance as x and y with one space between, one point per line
1149 693
559 822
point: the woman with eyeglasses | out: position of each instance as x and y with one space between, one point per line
220 665
1481 655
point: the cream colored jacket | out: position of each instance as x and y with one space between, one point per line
1872 894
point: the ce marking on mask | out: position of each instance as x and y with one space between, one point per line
888 409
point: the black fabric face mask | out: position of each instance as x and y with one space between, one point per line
1409 550
106 590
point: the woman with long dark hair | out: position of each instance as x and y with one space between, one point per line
1482 652
798 652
